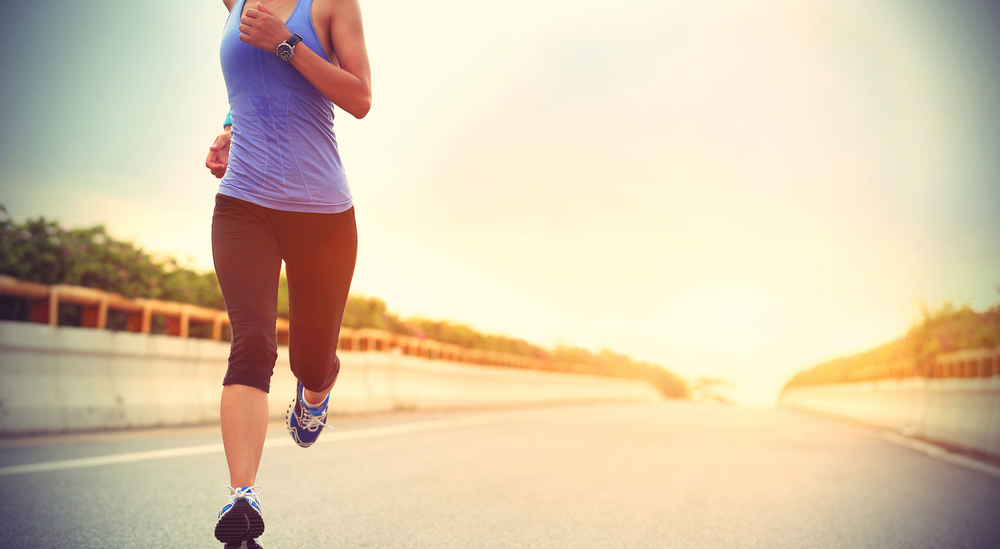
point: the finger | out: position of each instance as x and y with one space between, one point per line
252 14
262 9
245 37
215 148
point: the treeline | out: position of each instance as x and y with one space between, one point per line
372 312
949 328
39 250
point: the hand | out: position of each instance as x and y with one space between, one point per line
261 28
218 154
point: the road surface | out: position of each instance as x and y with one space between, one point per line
658 475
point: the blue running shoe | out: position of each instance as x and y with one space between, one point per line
304 423
240 521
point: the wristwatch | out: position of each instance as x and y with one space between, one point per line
286 49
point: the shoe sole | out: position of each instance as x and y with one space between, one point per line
245 544
241 523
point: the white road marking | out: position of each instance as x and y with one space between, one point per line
328 437
108 460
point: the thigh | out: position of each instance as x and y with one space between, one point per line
248 264
320 251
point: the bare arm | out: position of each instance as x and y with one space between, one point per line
218 153
349 85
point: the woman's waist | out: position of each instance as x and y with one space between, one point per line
291 178
284 148
317 200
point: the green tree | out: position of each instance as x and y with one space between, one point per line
39 250
945 329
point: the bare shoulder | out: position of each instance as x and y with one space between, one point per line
229 4
338 8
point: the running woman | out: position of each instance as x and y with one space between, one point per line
283 196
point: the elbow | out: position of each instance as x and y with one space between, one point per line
361 108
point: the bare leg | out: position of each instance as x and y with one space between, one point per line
244 426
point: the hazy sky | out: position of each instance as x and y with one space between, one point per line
727 188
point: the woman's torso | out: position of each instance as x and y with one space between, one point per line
284 151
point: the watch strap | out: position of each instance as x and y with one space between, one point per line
286 49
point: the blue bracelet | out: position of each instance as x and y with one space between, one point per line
229 119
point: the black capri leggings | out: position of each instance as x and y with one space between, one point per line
248 244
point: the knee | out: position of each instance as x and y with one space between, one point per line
255 342
318 376
251 359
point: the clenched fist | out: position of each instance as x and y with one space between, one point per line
261 28
218 154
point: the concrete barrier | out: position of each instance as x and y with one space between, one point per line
962 412
72 379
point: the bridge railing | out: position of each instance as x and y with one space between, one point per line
179 318
965 363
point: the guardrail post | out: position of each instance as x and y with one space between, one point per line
102 311
53 306
217 326
281 331
147 316
185 321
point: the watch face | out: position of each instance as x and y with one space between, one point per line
284 51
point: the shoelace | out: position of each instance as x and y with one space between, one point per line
310 422
251 491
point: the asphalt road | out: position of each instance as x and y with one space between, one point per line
618 475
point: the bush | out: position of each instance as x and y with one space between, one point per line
41 251
947 329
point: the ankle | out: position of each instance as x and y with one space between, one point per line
313 400
237 484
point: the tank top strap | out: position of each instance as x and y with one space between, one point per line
301 18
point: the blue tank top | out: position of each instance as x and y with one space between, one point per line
284 152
